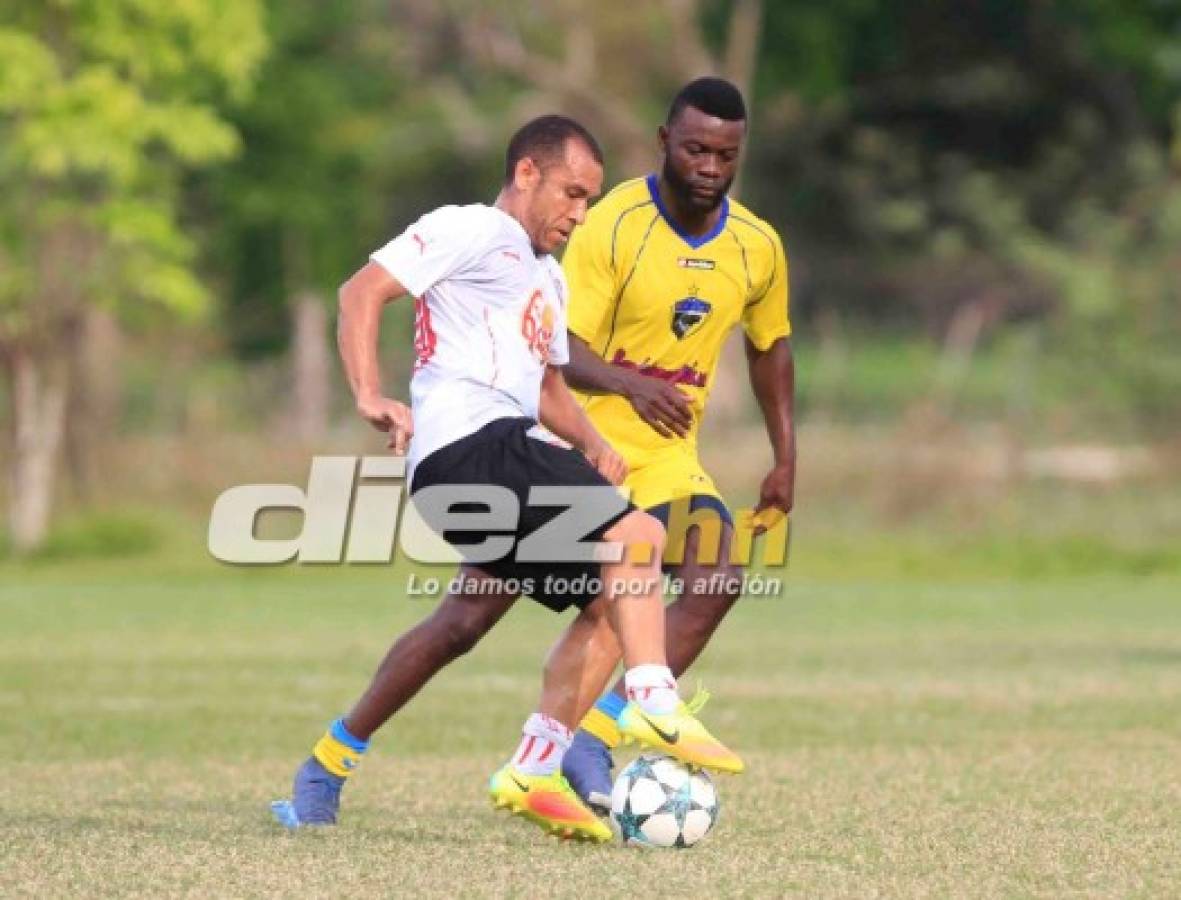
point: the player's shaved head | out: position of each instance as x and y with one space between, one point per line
544 141
715 97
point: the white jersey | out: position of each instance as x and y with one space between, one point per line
489 316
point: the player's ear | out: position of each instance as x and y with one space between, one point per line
662 138
527 174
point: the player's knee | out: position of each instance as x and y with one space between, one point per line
595 612
462 637
461 630
639 528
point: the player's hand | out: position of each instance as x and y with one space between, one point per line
390 416
776 497
661 405
609 463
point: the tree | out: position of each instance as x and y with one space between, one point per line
614 64
297 211
104 105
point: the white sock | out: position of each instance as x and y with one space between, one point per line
544 741
652 688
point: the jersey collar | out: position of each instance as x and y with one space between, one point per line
521 233
692 240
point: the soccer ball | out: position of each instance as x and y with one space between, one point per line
659 802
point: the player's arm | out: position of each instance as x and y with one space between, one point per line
767 325
362 299
773 379
595 286
562 415
657 402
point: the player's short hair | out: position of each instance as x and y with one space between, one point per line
715 97
544 138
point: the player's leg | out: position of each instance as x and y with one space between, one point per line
655 716
711 586
626 620
710 591
530 783
579 664
455 626
576 671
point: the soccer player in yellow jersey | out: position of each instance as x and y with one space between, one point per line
662 270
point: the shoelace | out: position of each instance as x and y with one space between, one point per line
697 702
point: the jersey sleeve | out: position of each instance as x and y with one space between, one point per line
765 316
591 276
438 245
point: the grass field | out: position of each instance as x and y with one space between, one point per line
904 738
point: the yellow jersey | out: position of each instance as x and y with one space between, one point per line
646 296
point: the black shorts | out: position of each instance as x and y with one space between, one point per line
663 511
696 501
502 454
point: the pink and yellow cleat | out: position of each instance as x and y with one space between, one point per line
548 801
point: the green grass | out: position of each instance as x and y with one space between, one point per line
905 737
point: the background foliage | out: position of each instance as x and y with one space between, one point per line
980 200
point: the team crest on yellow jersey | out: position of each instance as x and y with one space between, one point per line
689 313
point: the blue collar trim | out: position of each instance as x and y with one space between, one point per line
691 240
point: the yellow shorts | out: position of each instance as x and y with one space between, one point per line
664 480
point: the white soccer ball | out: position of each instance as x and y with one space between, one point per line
660 802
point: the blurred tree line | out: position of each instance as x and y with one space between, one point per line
966 172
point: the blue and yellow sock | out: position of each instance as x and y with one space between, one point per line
601 720
338 751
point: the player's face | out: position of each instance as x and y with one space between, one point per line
561 195
700 157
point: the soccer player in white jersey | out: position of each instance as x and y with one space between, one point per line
490 338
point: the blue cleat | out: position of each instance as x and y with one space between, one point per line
315 798
587 766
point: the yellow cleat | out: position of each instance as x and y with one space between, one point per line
548 801
680 735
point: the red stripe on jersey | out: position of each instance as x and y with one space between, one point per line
425 339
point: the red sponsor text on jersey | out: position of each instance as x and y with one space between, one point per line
684 375
537 326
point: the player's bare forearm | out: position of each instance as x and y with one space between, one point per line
772 377
358 326
361 300
589 372
562 415
657 402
